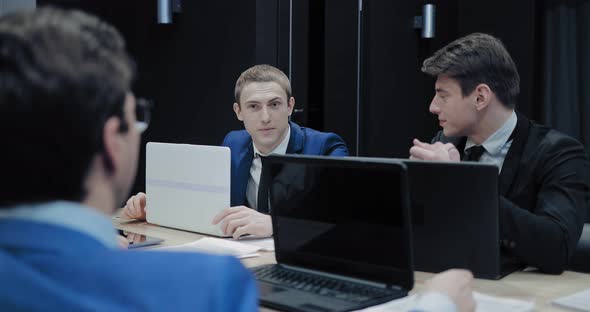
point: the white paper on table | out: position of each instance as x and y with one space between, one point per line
485 303
216 246
579 300
265 244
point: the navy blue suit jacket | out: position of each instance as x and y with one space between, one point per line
45 267
302 141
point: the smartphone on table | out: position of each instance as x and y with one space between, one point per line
136 240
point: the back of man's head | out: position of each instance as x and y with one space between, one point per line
262 73
475 59
62 75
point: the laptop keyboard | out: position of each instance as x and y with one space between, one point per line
323 286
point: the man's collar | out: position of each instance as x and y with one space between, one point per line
71 215
496 141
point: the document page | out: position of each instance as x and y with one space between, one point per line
579 301
265 244
216 246
485 303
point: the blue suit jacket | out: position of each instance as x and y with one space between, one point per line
51 268
302 141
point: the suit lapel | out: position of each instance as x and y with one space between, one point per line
512 160
243 171
460 145
296 140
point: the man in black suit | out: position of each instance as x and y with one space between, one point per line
544 174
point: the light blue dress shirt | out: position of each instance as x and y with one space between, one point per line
67 214
497 145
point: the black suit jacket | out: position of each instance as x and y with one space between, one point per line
544 195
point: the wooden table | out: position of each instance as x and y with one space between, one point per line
524 285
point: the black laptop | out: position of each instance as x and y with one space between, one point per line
342 234
455 217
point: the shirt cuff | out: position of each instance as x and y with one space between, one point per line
434 301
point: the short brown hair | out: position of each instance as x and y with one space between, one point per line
262 73
474 59
63 74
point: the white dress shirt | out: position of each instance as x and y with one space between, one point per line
256 169
497 145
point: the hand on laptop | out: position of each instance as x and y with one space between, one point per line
437 151
240 220
457 285
135 207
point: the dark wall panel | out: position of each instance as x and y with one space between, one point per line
339 70
188 68
396 95
516 24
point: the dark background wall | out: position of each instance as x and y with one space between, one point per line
188 68
365 86
393 95
396 94
517 23
356 69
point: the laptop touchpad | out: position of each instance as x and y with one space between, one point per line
266 289
305 301
313 307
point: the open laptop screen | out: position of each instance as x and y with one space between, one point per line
343 216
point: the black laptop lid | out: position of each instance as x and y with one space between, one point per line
455 217
343 216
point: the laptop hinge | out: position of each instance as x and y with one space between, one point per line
340 277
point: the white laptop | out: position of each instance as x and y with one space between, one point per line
187 185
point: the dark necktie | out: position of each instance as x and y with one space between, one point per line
262 199
473 153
